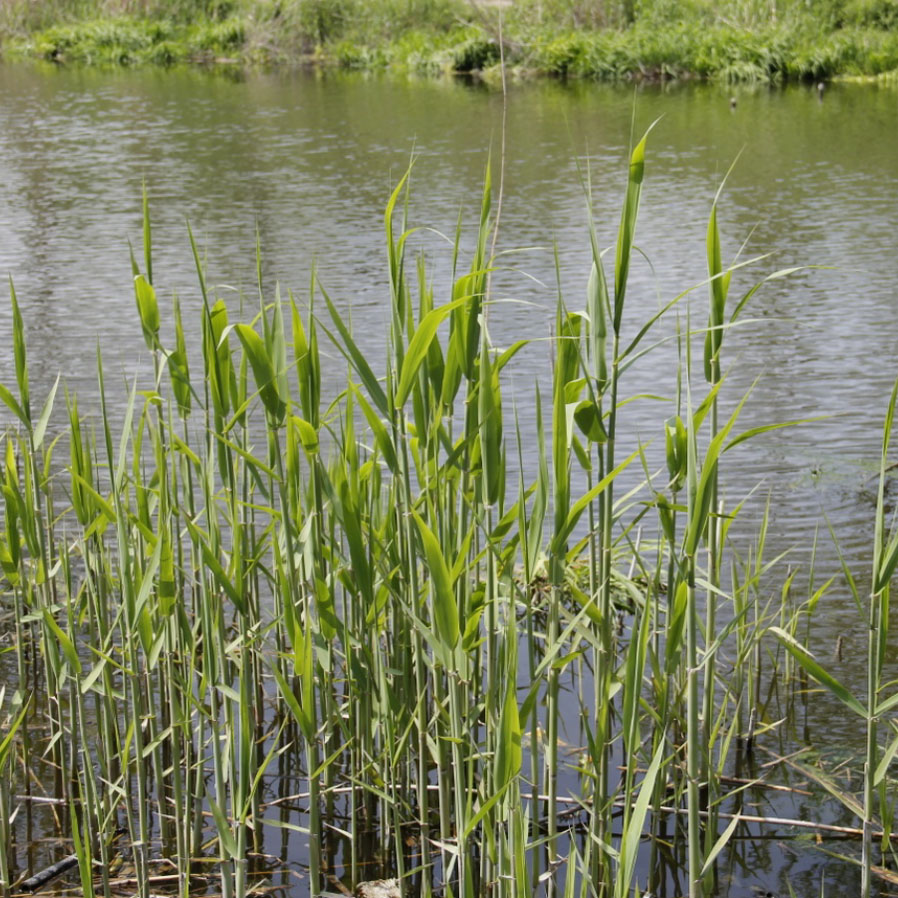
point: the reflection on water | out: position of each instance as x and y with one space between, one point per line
307 161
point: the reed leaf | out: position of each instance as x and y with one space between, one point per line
217 357
445 610
308 365
307 434
68 647
264 372
218 572
40 429
633 832
419 347
720 844
509 751
627 227
10 402
707 483
21 358
576 510
490 429
814 668
148 310
719 285
178 367
881 769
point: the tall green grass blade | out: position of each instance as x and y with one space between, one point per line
707 482
635 825
308 365
178 368
148 310
68 647
419 347
627 227
445 611
264 372
40 428
576 510
355 357
720 844
299 712
490 429
21 358
814 668
509 751
767 428
10 402
879 774
218 572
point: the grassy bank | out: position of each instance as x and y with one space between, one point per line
238 609
735 41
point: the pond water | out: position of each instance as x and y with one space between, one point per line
308 161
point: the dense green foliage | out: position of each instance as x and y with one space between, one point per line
230 575
736 40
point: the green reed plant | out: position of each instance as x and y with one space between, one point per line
877 758
7 816
233 572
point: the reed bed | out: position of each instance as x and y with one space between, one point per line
241 615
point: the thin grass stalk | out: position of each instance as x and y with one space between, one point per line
215 670
531 541
34 528
885 558
615 309
693 759
718 288
267 356
419 660
566 360
11 727
131 660
11 549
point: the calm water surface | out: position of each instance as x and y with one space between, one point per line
309 160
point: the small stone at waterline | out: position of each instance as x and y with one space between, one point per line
378 888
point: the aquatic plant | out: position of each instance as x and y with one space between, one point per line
243 610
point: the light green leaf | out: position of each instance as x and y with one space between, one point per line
584 501
9 400
418 348
148 310
754 431
883 766
217 570
300 714
509 753
633 833
720 844
814 669
41 428
263 371
887 566
225 836
445 611
308 436
68 647
589 420
356 358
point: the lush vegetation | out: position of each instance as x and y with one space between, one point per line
239 606
737 40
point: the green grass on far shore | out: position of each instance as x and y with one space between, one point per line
734 40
